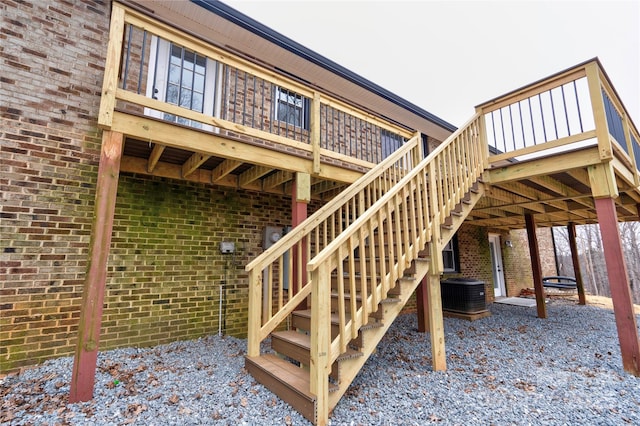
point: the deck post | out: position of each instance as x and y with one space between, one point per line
319 367
422 303
86 355
571 228
300 197
619 285
534 253
436 324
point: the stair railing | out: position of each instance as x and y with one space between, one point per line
383 241
269 302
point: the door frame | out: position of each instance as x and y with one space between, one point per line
497 266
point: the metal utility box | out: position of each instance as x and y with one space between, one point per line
466 295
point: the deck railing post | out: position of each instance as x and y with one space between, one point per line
315 129
111 67
599 112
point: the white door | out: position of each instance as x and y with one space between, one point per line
182 77
496 262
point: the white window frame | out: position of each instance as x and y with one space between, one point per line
158 75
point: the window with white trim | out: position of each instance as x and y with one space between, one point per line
292 108
185 78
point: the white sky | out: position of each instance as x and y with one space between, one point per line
448 56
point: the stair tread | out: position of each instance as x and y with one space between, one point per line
290 374
306 313
292 336
304 340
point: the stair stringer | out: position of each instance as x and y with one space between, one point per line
467 206
350 368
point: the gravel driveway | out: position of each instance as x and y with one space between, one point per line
508 369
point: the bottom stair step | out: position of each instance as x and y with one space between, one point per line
288 381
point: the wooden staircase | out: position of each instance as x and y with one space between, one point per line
367 251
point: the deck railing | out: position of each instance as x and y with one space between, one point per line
569 110
271 297
156 70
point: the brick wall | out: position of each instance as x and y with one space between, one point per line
49 94
165 269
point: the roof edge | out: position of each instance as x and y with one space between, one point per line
261 30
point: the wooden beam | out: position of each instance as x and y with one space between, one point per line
217 146
252 175
619 286
536 267
223 169
561 189
325 186
544 166
575 259
277 179
156 153
86 355
192 164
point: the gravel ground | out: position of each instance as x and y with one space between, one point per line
507 369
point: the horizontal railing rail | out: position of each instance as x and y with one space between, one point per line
156 70
269 302
381 244
561 113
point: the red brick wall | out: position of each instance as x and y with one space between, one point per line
49 91
164 270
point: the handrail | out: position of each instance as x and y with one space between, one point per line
389 235
311 236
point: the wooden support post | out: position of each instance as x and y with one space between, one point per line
436 324
300 197
582 300
422 303
534 253
84 365
619 285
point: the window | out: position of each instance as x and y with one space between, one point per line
450 256
292 108
390 143
184 78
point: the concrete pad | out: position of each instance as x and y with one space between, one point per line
517 301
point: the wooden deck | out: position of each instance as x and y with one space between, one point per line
388 213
